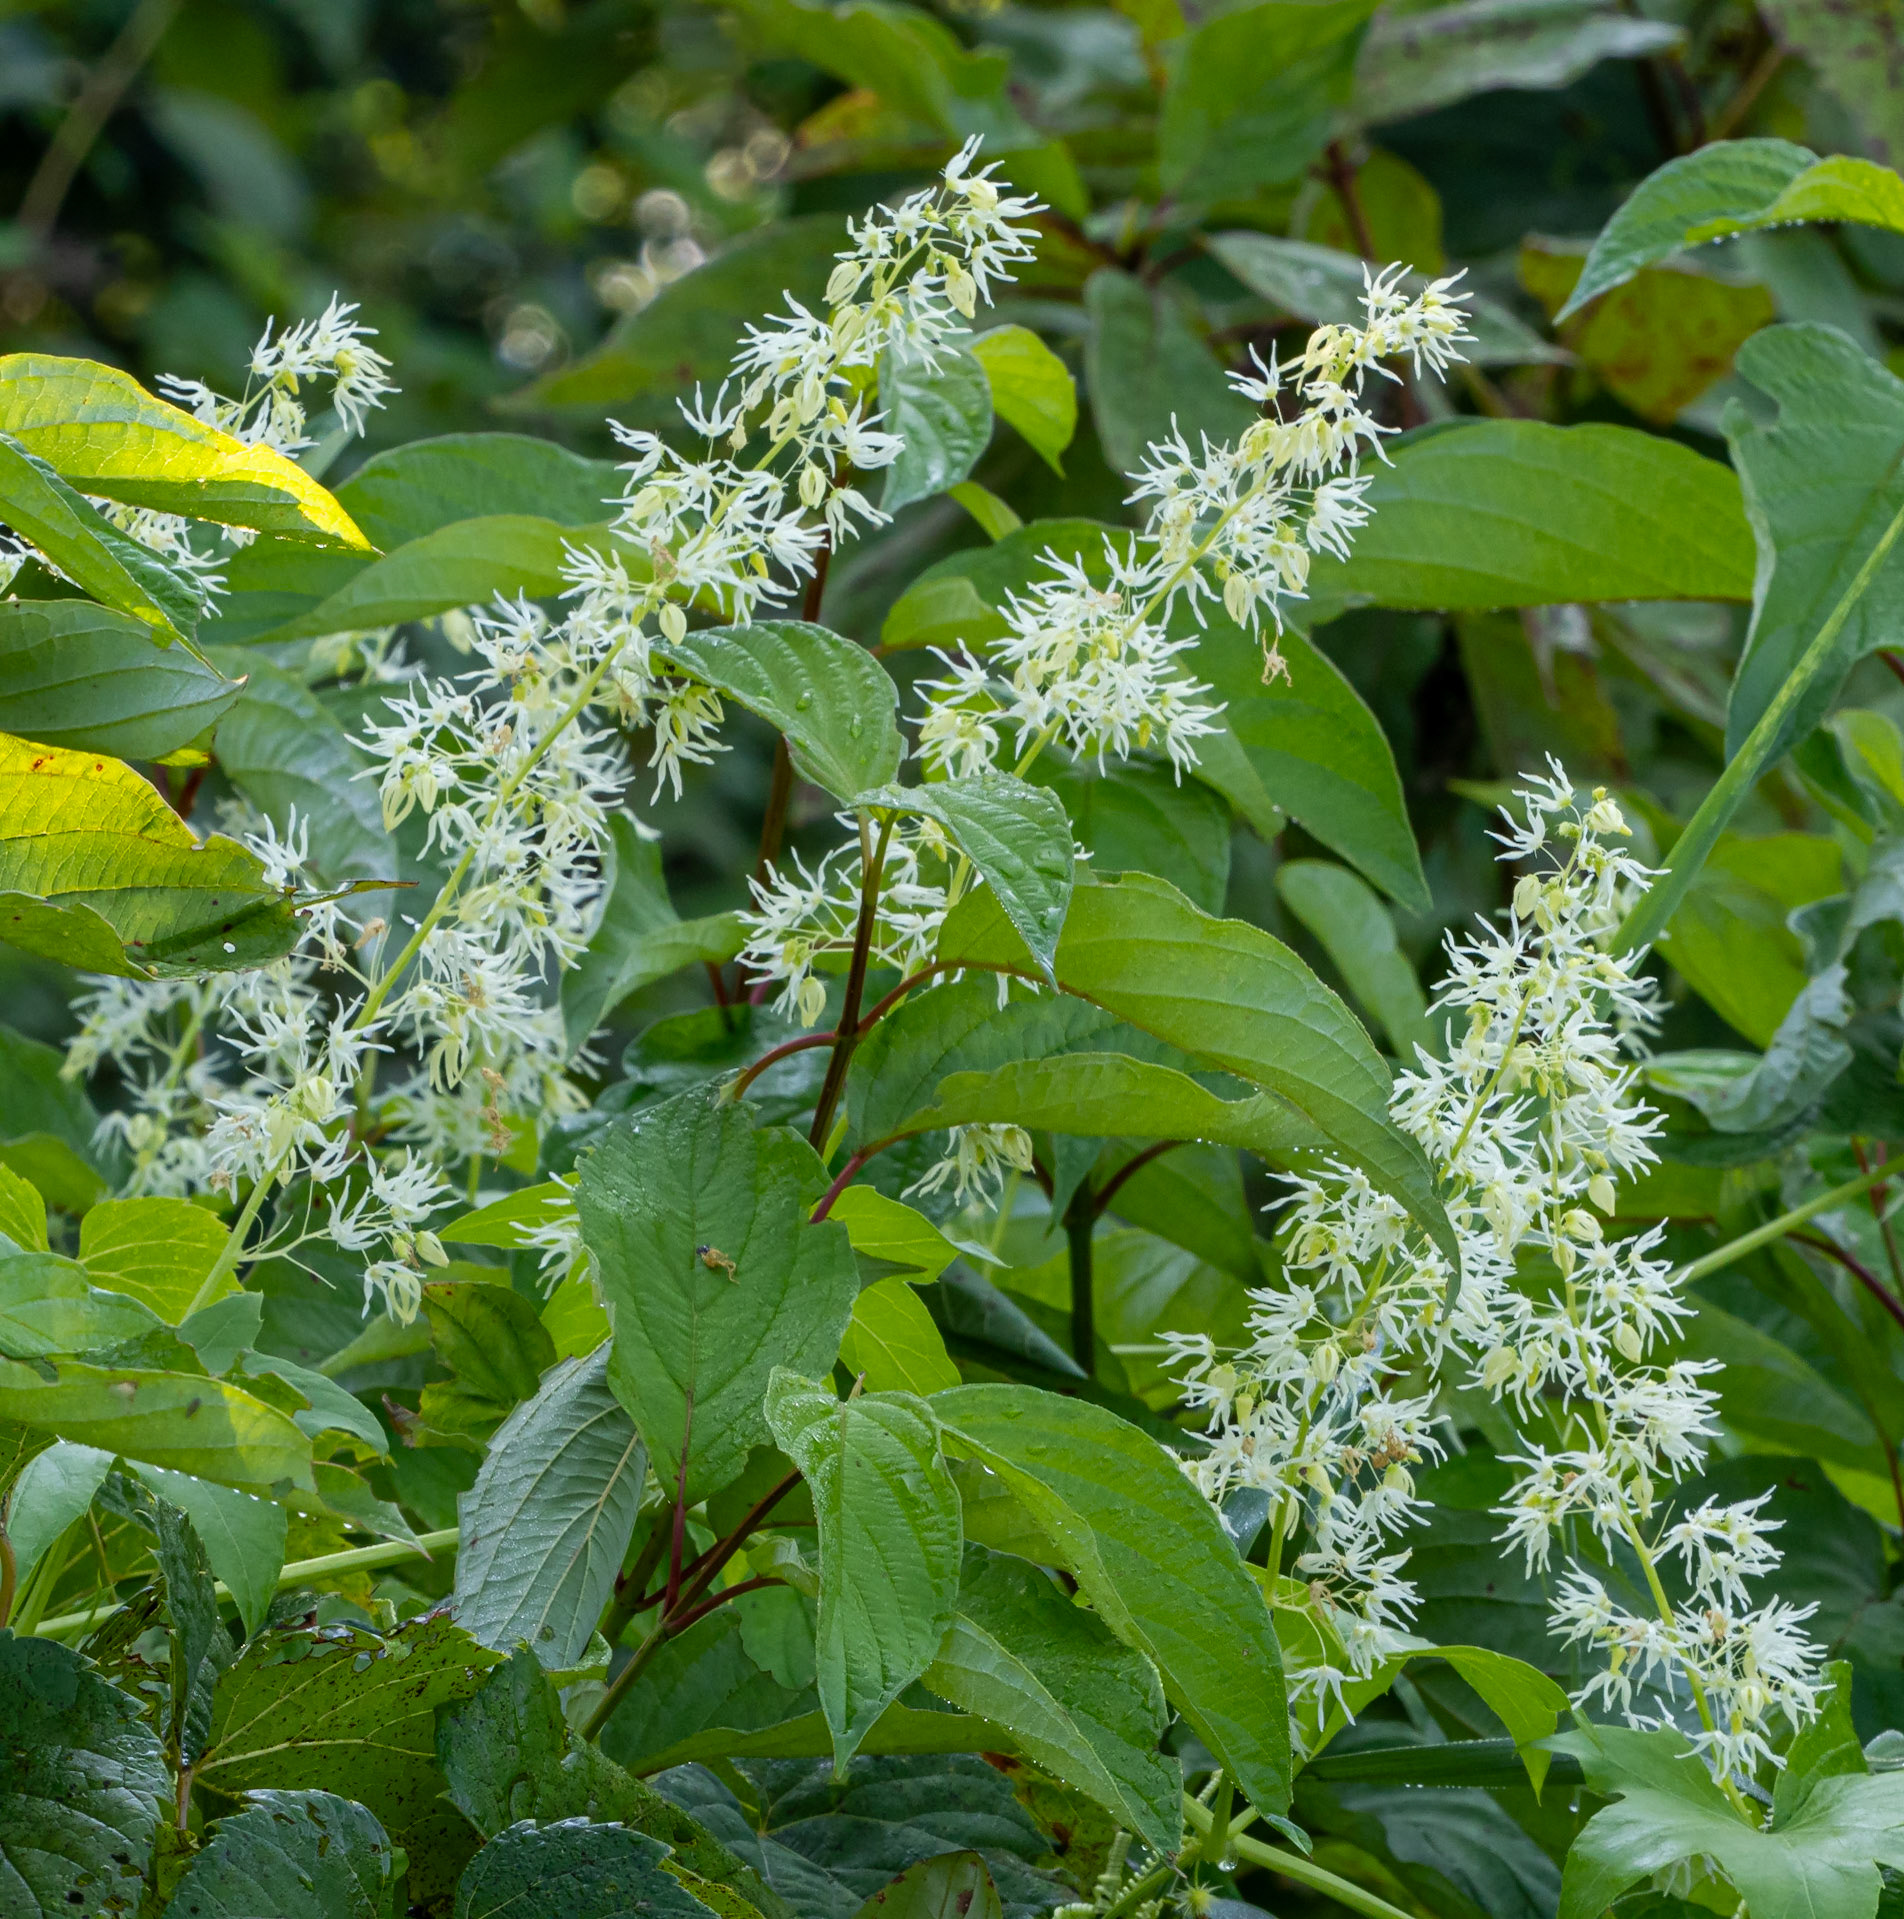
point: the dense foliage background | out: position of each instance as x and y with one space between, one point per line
556 214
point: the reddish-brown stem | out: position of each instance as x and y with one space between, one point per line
683 1621
707 1568
899 992
872 860
845 1179
1876 1197
774 1055
1858 1271
1135 1164
1893 660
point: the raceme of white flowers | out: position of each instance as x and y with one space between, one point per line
1089 663
270 1077
1530 1123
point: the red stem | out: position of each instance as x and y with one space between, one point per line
845 1178
1861 1273
1136 1163
721 1598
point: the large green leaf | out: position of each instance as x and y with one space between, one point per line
890 1533
834 702
943 413
407 491
48 1128
242 1534
688 331
1309 748
1081 1704
101 430
1145 366
156 1250
892 1343
284 752
1232 997
1151 1555
1015 834
955 1885
207 1427
572 1867
467 563
82 676
550 1516
1518 513
507 1754
82 1785
1734 186
1254 94
1138 818
96 871
640 938
344 1710
300 1855
1822 483
1032 389
48 1306
90 550
1819 1857
1411 63
667 1201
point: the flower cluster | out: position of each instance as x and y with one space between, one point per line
1089 660
1529 1122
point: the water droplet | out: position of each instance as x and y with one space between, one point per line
801 704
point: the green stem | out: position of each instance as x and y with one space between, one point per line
233 1249
1292 1865
1737 1249
618 1686
354 1559
1649 917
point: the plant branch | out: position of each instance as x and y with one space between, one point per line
845 1178
1650 915
709 1566
1736 1249
1292 1865
775 1055
680 1622
872 861
1135 1164
1858 1271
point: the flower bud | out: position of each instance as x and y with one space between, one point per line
1527 891
431 1248
812 486
674 623
961 289
811 999
1601 1191
1627 1339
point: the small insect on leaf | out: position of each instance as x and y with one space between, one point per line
716 1261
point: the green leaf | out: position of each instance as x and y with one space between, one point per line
52 1490
90 550
957 599
1080 1704
891 1343
1522 1697
199 1645
159 1251
96 871
206 1427
890 1237
993 515
1136 818
1822 1858
495 1346
913 62
1233 998
1325 285
552 1872
48 1307
943 412
1730 186
98 428
1413 63
344 1710
1254 95
549 1518
1309 748
467 563
82 1786
1359 936
1145 365
890 1538
82 676
48 1126
407 491
1151 1556
243 1536
1032 389
304 1855
834 702
688 332
691 1176
1821 485
1018 838
1518 513
500 1223
507 1754
955 1885
640 939
22 1212
286 754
